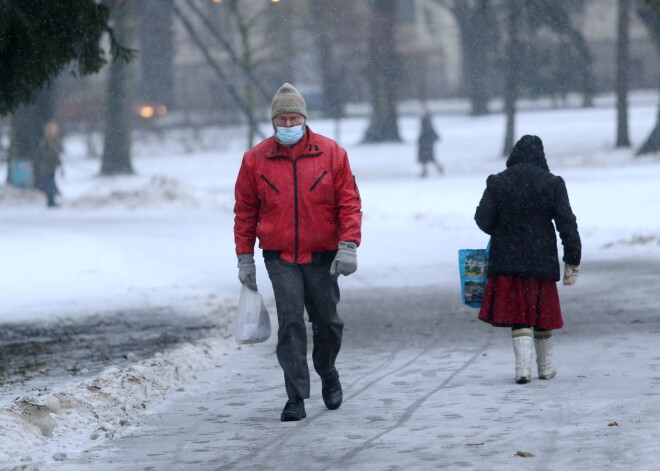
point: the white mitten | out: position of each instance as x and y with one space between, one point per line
345 261
571 273
247 271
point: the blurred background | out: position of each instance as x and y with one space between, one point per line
193 64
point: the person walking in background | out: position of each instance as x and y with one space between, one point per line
296 193
426 142
517 210
48 162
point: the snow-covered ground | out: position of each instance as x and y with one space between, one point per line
164 238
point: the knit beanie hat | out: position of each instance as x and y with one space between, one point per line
529 149
288 100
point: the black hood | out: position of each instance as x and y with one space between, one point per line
528 150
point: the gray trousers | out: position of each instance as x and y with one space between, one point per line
296 288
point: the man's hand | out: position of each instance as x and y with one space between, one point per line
345 261
247 271
571 273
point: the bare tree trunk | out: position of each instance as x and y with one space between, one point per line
622 74
116 159
246 60
512 79
381 73
558 18
332 70
156 52
649 13
472 19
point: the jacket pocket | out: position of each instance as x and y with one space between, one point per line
263 177
268 195
322 190
318 180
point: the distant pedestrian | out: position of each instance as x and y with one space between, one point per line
296 193
517 210
426 144
48 161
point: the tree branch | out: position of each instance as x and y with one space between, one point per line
218 71
230 51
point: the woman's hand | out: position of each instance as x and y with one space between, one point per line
571 273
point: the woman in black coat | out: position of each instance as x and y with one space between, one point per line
517 210
426 142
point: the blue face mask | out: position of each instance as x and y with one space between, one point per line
289 136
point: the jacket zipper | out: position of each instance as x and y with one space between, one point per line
318 180
295 208
270 184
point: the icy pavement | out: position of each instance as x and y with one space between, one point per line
426 387
419 408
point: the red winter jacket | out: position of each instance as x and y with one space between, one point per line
296 200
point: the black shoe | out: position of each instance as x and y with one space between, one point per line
331 391
294 410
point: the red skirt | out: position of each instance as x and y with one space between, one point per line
522 300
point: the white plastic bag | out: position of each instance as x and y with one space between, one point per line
252 323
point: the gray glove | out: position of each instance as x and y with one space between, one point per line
247 271
571 273
345 261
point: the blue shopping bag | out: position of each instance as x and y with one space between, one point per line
21 173
473 268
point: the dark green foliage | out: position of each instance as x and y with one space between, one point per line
38 38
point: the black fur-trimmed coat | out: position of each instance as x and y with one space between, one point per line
517 210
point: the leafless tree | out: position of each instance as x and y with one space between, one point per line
381 72
332 35
218 70
622 73
515 10
649 13
156 52
557 16
479 32
116 158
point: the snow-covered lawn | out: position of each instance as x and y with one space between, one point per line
164 238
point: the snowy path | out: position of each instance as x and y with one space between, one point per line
426 387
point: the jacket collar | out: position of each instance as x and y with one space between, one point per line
307 147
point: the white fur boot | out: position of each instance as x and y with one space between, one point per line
544 343
522 347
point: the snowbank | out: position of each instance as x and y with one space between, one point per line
159 192
47 426
12 196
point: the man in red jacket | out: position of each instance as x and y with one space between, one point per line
295 192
